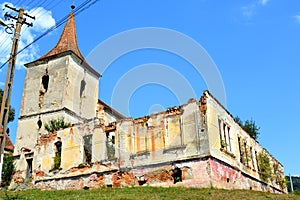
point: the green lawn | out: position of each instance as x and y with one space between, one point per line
146 193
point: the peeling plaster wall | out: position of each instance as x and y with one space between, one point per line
81 89
28 131
231 155
147 149
53 97
65 97
163 137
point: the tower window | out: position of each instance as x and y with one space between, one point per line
82 87
40 123
45 81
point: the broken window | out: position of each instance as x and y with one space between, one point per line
39 123
82 87
241 150
257 166
57 158
43 88
246 154
110 145
45 81
88 148
222 141
29 169
227 136
224 132
252 158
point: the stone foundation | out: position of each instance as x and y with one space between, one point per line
200 173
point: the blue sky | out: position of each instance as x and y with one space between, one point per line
254 44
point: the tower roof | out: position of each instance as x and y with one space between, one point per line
67 40
67 44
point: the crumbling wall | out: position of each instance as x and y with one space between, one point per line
163 137
230 144
81 89
179 147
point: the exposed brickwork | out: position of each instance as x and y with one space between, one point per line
192 145
123 179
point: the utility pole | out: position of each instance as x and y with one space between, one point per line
291 182
4 112
2 23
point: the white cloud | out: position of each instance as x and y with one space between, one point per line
263 2
44 21
250 9
297 18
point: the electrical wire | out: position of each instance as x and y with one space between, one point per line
46 5
50 29
85 5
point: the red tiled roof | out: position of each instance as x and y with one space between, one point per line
8 144
67 40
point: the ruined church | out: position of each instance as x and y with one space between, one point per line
69 139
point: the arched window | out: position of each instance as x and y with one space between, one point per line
39 123
45 80
82 87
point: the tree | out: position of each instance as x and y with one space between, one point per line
249 126
11 114
8 168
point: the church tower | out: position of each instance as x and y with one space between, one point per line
60 84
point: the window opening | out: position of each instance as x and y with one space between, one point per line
88 148
40 123
241 151
177 175
57 158
45 81
110 145
29 169
82 87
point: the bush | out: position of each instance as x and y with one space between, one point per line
56 124
57 161
265 170
8 168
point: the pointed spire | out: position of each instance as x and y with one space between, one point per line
67 40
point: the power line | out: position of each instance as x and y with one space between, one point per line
85 5
41 12
5 105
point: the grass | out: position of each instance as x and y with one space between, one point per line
146 193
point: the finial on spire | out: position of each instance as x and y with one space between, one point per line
72 6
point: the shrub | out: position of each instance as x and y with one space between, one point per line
8 168
265 170
56 124
57 161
